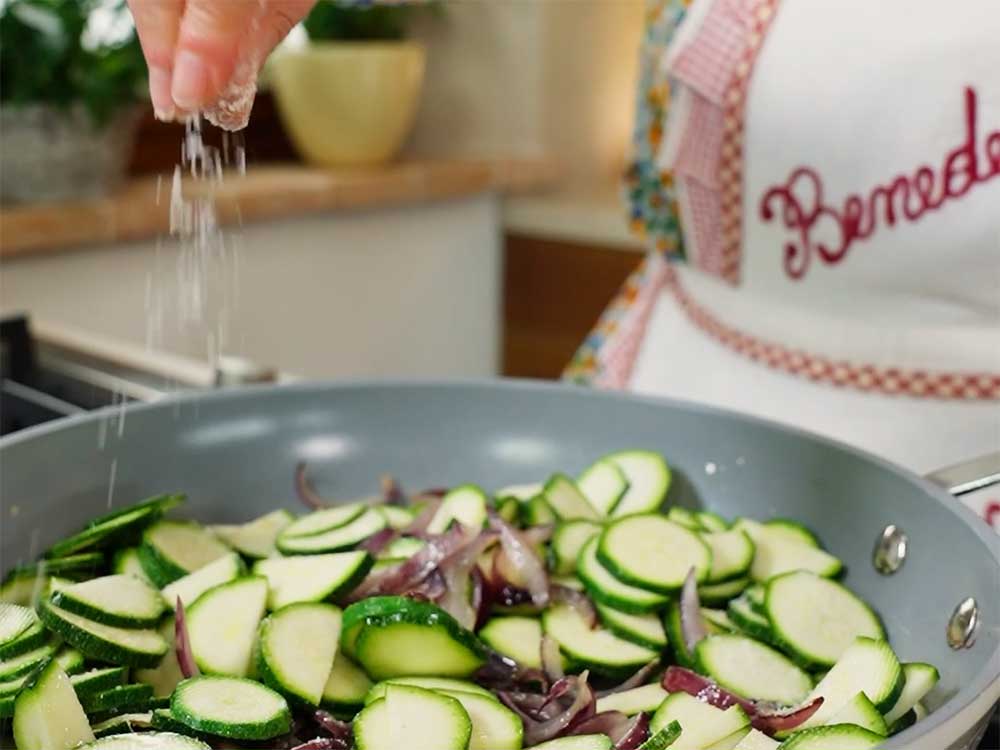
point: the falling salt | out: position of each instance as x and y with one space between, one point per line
111 481
711 468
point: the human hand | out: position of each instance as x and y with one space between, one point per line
197 49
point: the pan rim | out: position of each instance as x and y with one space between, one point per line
988 680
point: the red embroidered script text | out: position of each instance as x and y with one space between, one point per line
805 211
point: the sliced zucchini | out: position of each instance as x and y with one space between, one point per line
465 504
18 666
648 478
403 547
297 646
165 676
398 518
603 484
566 499
13 686
321 521
686 518
644 630
370 522
861 712
755 596
596 649
123 724
33 638
508 508
222 626
751 669
120 600
115 526
128 647
653 553
918 680
577 742
603 587
520 492
172 549
793 531
714 594
777 553
537 512
126 562
437 684
494 726
98 680
867 666
14 621
702 725
7 703
631 702
711 522
346 687
416 639
833 737
413 718
672 626
164 721
26 584
757 741
743 615
816 619
231 707
70 660
732 554
255 539
567 541
223 570
47 713
312 578
147 741
519 638
119 699
666 737
717 621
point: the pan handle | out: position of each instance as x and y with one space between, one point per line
969 476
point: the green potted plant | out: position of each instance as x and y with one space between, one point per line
349 96
71 75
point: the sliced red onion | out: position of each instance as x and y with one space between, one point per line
536 535
763 715
182 643
329 723
304 489
581 708
392 492
578 600
456 570
524 560
477 596
552 661
378 542
430 492
633 734
323 743
640 678
692 624
503 675
610 723
418 526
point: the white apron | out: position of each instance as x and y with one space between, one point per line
836 166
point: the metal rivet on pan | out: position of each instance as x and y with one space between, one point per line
890 550
963 624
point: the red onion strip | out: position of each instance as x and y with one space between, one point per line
637 680
182 643
582 706
577 600
304 489
692 625
552 661
524 560
456 570
633 734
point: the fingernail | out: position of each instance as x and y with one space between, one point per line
190 82
159 93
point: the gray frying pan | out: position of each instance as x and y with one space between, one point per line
234 452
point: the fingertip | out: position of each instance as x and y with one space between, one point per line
191 86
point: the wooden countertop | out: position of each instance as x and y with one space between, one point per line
266 192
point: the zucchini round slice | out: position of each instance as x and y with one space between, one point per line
605 588
231 707
918 680
637 700
494 726
126 562
346 687
227 568
14 621
296 649
747 619
653 553
172 549
833 737
817 619
520 638
566 499
255 539
596 649
321 521
643 630
163 678
413 718
732 554
402 645
47 713
131 648
344 537
567 541
98 680
465 504
123 724
312 578
861 712
603 484
120 600
713 594
33 638
398 518
752 669
648 478
436 684
119 699
703 724
18 666
147 741
115 526
222 625
577 742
